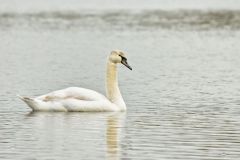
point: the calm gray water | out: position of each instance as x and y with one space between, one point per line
183 95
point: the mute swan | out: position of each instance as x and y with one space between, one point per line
81 99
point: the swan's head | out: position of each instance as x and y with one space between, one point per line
118 56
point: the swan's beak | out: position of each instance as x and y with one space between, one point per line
125 63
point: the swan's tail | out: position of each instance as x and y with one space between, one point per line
29 101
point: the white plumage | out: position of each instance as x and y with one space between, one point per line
81 99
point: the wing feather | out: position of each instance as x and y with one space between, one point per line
73 93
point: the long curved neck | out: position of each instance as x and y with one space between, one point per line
112 89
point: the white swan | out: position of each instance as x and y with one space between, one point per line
81 99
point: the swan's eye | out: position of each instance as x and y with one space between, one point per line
123 58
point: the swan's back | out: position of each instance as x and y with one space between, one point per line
73 92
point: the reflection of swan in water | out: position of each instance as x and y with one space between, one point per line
81 99
113 137
65 133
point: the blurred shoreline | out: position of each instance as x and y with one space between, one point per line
120 19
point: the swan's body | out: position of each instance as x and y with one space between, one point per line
81 99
